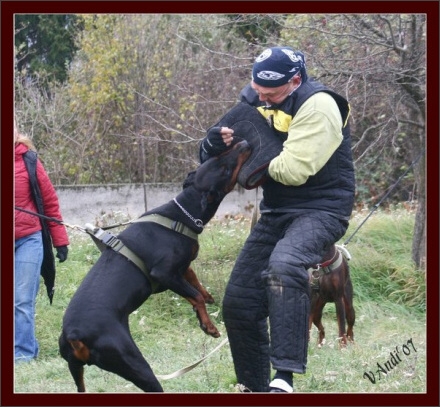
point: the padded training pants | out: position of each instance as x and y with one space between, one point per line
270 280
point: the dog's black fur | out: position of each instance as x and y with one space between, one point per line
335 286
95 325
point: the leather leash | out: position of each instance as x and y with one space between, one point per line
177 226
184 370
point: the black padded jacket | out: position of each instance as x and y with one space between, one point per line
332 189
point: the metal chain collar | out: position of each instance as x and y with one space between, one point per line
198 222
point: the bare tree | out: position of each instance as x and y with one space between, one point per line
143 89
378 62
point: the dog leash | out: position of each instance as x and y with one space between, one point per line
59 221
384 197
184 370
89 229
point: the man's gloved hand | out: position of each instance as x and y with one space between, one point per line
62 253
213 143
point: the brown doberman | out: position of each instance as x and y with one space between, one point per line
330 282
95 327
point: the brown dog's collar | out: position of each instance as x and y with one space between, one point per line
332 261
329 265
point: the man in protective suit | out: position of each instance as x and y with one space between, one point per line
308 196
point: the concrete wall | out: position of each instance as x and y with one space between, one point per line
121 202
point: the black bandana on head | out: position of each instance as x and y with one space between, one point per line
276 66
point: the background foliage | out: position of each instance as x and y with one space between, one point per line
128 97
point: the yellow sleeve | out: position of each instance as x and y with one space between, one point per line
314 135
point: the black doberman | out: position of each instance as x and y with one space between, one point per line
331 282
95 325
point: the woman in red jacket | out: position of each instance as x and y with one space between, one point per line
33 191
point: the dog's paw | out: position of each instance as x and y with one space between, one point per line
215 333
210 330
209 299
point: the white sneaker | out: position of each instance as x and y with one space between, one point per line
280 386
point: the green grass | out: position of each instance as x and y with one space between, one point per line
389 302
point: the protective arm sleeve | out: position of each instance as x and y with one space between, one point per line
313 136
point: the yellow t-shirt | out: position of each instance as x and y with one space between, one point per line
314 134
